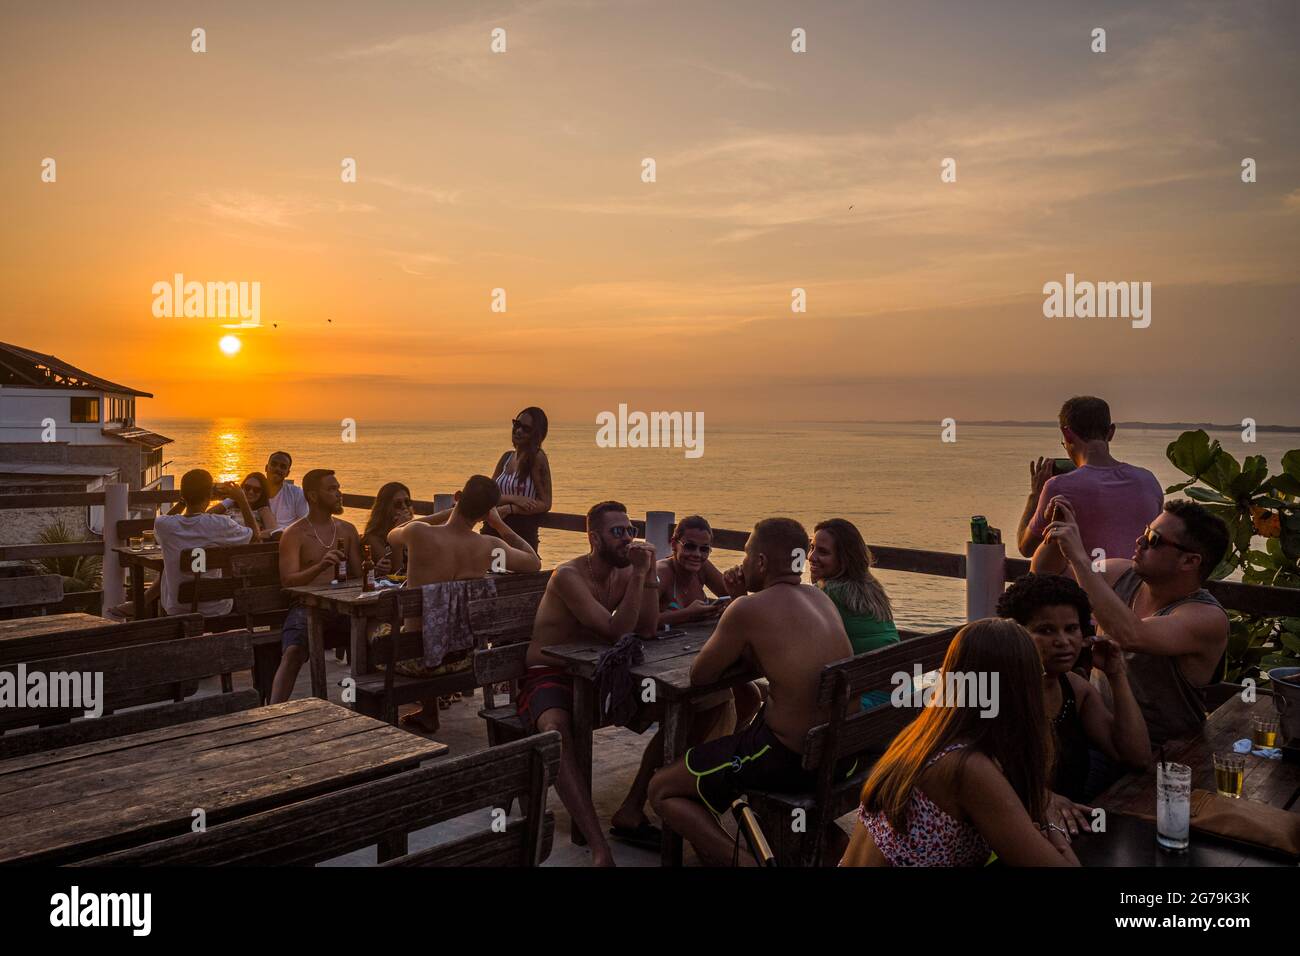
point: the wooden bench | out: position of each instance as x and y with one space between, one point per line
848 733
379 695
131 673
502 629
383 813
31 593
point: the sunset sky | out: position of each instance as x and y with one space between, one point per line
775 170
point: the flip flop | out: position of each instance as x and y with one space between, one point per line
645 835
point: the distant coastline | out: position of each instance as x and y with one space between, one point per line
1185 426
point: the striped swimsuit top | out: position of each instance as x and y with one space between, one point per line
512 484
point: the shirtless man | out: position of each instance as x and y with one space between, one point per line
1156 609
310 551
611 591
790 631
445 547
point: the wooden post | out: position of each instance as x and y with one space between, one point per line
443 502
658 528
985 576
115 510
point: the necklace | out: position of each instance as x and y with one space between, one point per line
592 575
333 540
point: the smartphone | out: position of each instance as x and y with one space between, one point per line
1061 466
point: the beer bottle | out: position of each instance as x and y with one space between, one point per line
367 572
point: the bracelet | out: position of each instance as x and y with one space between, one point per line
1052 826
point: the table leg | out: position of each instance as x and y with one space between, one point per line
583 706
359 659
137 589
676 726
316 652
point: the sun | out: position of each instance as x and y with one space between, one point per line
229 344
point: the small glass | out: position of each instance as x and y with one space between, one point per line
135 543
1263 731
1173 805
149 541
1229 774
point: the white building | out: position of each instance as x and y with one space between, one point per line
63 429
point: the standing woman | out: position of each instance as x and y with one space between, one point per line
392 508
524 476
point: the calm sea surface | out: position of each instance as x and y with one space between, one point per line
898 483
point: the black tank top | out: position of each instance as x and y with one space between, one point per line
1071 776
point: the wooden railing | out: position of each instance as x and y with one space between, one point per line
1247 598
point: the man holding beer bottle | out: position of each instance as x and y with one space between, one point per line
312 551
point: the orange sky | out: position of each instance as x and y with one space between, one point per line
522 171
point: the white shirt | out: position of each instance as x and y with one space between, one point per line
288 505
174 534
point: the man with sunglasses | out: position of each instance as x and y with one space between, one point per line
1112 500
610 591
1156 608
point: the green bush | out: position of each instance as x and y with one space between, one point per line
1253 504
83 573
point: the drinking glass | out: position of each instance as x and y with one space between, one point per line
135 543
149 541
1264 731
1229 772
1173 805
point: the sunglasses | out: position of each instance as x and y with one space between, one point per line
692 546
520 426
623 531
1153 539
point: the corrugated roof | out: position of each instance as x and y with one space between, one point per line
141 436
28 369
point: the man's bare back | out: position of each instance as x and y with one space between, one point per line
790 631
556 623
438 553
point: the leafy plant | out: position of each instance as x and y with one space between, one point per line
1252 504
79 572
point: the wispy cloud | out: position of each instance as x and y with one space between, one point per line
274 212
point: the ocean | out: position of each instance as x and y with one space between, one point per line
899 483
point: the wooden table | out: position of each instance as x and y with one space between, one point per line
668 663
71 804
138 561
23 627
360 607
1275 782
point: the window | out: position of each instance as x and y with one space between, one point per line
85 410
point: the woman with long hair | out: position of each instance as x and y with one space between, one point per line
968 778
392 507
258 494
839 563
524 476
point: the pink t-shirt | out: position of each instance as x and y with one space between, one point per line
1112 505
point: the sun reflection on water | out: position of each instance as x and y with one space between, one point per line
226 440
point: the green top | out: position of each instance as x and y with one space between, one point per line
866 633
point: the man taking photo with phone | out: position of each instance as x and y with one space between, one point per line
1112 501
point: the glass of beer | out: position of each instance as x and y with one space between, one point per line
1173 805
1264 731
1229 772
135 543
149 541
